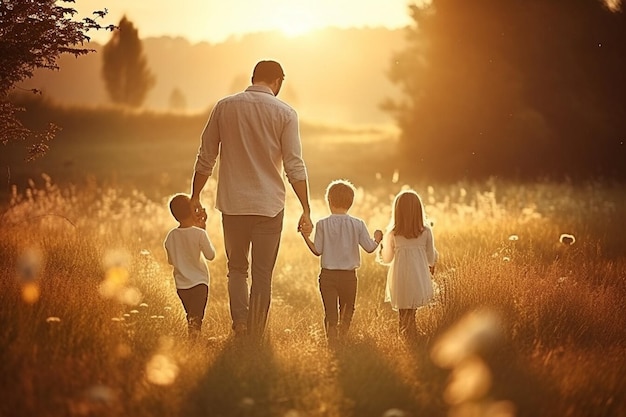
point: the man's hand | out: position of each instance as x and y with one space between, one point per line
378 236
305 223
197 184
201 218
305 229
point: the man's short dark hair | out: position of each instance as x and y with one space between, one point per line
267 71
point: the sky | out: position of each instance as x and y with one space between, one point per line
215 21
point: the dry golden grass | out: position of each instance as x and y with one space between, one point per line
523 324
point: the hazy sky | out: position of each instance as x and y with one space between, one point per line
214 21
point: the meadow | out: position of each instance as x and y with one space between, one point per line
529 317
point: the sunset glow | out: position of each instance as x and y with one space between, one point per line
211 21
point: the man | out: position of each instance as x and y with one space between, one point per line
255 135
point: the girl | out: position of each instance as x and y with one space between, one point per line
409 249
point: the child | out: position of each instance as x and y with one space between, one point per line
337 240
185 246
409 249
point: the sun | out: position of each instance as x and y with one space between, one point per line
297 20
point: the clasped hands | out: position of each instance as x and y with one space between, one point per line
305 225
199 213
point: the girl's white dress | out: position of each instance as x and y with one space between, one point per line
409 284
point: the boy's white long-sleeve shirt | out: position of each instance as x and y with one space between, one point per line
337 240
185 248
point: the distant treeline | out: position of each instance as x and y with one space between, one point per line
332 75
108 123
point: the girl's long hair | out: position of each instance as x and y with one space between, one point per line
408 215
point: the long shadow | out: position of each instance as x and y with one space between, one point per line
372 386
238 384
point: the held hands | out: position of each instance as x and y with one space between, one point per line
305 225
196 206
200 217
378 236
305 229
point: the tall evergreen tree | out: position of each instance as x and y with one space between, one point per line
124 66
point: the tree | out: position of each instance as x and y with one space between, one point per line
512 88
124 66
177 100
33 34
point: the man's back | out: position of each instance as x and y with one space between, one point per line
255 134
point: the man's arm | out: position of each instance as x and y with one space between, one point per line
206 158
301 188
197 184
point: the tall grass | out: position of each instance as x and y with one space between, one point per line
523 324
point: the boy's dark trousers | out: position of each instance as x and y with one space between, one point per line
338 290
194 301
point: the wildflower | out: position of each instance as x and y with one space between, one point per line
143 305
513 238
53 319
144 252
567 239
506 259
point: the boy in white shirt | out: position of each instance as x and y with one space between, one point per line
185 246
337 240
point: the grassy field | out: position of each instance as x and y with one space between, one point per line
523 324
529 318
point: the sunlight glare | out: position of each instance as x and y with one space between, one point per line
161 370
30 292
613 5
470 380
297 19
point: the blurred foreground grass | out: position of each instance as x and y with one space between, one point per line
524 324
